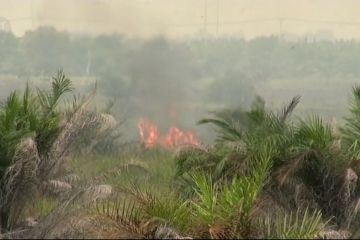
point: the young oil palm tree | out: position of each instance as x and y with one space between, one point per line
227 209
35 136
304 156
239 140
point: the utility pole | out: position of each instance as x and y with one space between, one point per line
88 65
281 21
217 17
205 15
4 24
32 14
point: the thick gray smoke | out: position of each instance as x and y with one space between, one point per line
177 82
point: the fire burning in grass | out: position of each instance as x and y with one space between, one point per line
174 138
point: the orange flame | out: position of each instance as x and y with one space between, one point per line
174 138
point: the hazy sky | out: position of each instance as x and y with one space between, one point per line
184 17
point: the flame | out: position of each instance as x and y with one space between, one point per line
174 138
148 133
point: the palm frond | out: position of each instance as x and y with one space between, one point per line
314 134
60 85
228 131
351 130
17 184
207 194
356 92
288 109
124 211
301 225
68 134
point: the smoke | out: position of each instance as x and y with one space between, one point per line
147 18
98 16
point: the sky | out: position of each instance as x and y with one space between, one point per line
179 18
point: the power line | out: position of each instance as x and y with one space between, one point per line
217 22
324 21
224 23
20 19
282 20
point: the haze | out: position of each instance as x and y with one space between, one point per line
187 57
179 18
